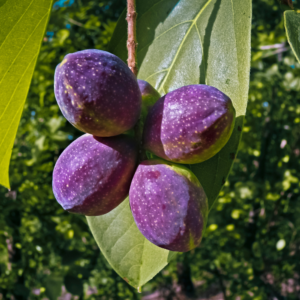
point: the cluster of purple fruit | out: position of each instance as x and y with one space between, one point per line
99 95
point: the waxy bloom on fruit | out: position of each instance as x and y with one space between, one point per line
97 93
189 125
169 205
92 176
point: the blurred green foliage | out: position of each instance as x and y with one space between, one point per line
251 246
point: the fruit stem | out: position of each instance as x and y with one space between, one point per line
131 41
132 64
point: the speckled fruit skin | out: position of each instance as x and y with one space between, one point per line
97 93
169 205
189 125
93 174
149 96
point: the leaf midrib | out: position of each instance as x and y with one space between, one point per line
194 21
188 21
120 262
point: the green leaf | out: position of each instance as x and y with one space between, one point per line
196 41
23 24
53 285
292 27
132 256
180 43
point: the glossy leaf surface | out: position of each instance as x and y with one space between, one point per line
180 43
292 27
23 25
189 42
132 256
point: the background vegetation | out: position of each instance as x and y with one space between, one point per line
251 246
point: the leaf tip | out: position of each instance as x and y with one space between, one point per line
5 182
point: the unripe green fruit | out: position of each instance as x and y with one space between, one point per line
149 96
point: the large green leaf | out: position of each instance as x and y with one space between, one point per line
292 27
196 41
181 42
133 257
23 25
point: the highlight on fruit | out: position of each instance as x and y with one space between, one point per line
99 95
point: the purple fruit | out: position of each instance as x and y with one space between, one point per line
97 93
169 205
189 125
93 174
149 96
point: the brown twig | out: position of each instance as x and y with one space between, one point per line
131 41
132 64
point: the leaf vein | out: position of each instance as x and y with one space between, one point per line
115 218
19 55
161 71
129 252
163 34
131 268
16 23
182 42
20 105
122 235
202 49
189 21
